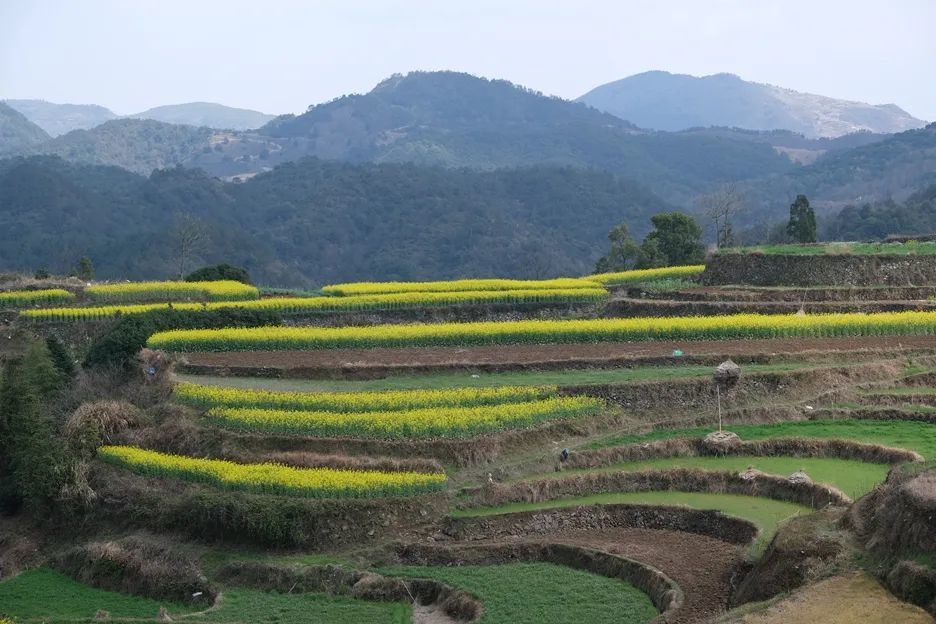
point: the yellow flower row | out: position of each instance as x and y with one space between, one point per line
298 305
373 288
647 275
420 423
223 290
392 400
14 298
272 478
548 332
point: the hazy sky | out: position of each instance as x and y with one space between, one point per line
282 55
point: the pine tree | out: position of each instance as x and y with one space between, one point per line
802 225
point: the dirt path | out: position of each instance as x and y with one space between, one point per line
701 566
426 359
430 614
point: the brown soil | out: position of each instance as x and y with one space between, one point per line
702 566
499 357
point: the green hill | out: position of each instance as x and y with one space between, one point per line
313 221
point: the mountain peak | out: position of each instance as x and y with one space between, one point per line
664 101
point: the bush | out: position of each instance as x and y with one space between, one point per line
61 358
36 464
118 346
219 272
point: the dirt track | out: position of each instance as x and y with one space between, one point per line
424 359
701 566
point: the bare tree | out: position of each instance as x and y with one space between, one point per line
720 206
188 237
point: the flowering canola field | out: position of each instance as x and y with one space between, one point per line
14 298
385 401
647 275
295 305
735 326
222 290
421 423
272 478
471 285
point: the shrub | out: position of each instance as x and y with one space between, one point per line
98 422
118 346
219 272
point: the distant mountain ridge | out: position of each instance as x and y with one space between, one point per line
207 114
437 119
18 134
59 119
672 102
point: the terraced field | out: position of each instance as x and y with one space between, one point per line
519 471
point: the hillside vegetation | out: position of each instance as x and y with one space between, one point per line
18 134
317 222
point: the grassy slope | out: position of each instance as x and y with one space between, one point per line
763 512
47 596
861 249
40 594
916 436
541 593
537 378
855 478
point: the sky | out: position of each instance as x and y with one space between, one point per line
280 56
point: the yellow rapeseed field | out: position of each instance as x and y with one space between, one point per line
732 326
475 285
15 298
296 305
222 290
647 275
390 400
273 478
421 423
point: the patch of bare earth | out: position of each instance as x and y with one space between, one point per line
852 599
534 356
430 614
701 566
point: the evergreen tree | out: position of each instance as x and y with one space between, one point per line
802 225
61 358
675 240
34 464
85 269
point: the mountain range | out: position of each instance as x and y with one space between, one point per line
58 119
334 192
665 101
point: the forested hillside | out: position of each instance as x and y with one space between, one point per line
17 134
313 221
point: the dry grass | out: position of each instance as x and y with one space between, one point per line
105 418
838 600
